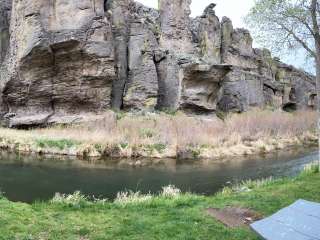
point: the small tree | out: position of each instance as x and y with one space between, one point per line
289 24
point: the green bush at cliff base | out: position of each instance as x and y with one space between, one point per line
60 144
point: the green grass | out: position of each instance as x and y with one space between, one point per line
147 133
159 217
159 147
59 144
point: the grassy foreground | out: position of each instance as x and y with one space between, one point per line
170 215
169 136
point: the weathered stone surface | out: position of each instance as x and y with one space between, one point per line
58 64
5 9
209 34
259 80
67 58
120 19
201 88
175 41
170 76
174 25
142 86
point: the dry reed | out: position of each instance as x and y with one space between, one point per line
179 132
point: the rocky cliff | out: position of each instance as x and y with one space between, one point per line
61 59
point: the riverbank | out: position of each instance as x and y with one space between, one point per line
169 215
119 135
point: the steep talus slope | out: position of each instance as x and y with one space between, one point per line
63 59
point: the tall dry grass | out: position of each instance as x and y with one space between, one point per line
179 131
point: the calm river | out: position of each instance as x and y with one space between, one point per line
31 178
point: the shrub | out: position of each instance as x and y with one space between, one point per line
60 144
146 133
312 168
246 186
170 191
130 197
124 145
159 147
75 199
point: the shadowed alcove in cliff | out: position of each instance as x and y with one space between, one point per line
289 107
107 5
292 95
312 101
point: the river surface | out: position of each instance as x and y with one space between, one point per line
32 178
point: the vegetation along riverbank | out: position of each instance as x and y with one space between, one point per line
169 215
168 136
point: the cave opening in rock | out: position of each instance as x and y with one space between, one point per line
106 5
289 107
312 101
292 94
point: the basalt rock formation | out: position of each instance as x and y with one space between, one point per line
61 59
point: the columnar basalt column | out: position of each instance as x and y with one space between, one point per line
175 41
210 36
119 14
4 31
227 30
170 76
174 22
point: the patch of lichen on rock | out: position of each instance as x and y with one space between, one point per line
280 75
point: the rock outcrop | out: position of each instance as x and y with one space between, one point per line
63 58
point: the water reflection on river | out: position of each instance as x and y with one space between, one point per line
30 178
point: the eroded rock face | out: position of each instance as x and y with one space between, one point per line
202 88
209 35
120 19
174 25
5 9
142 86
257 79
63 58
59 68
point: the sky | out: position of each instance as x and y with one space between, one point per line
236 10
